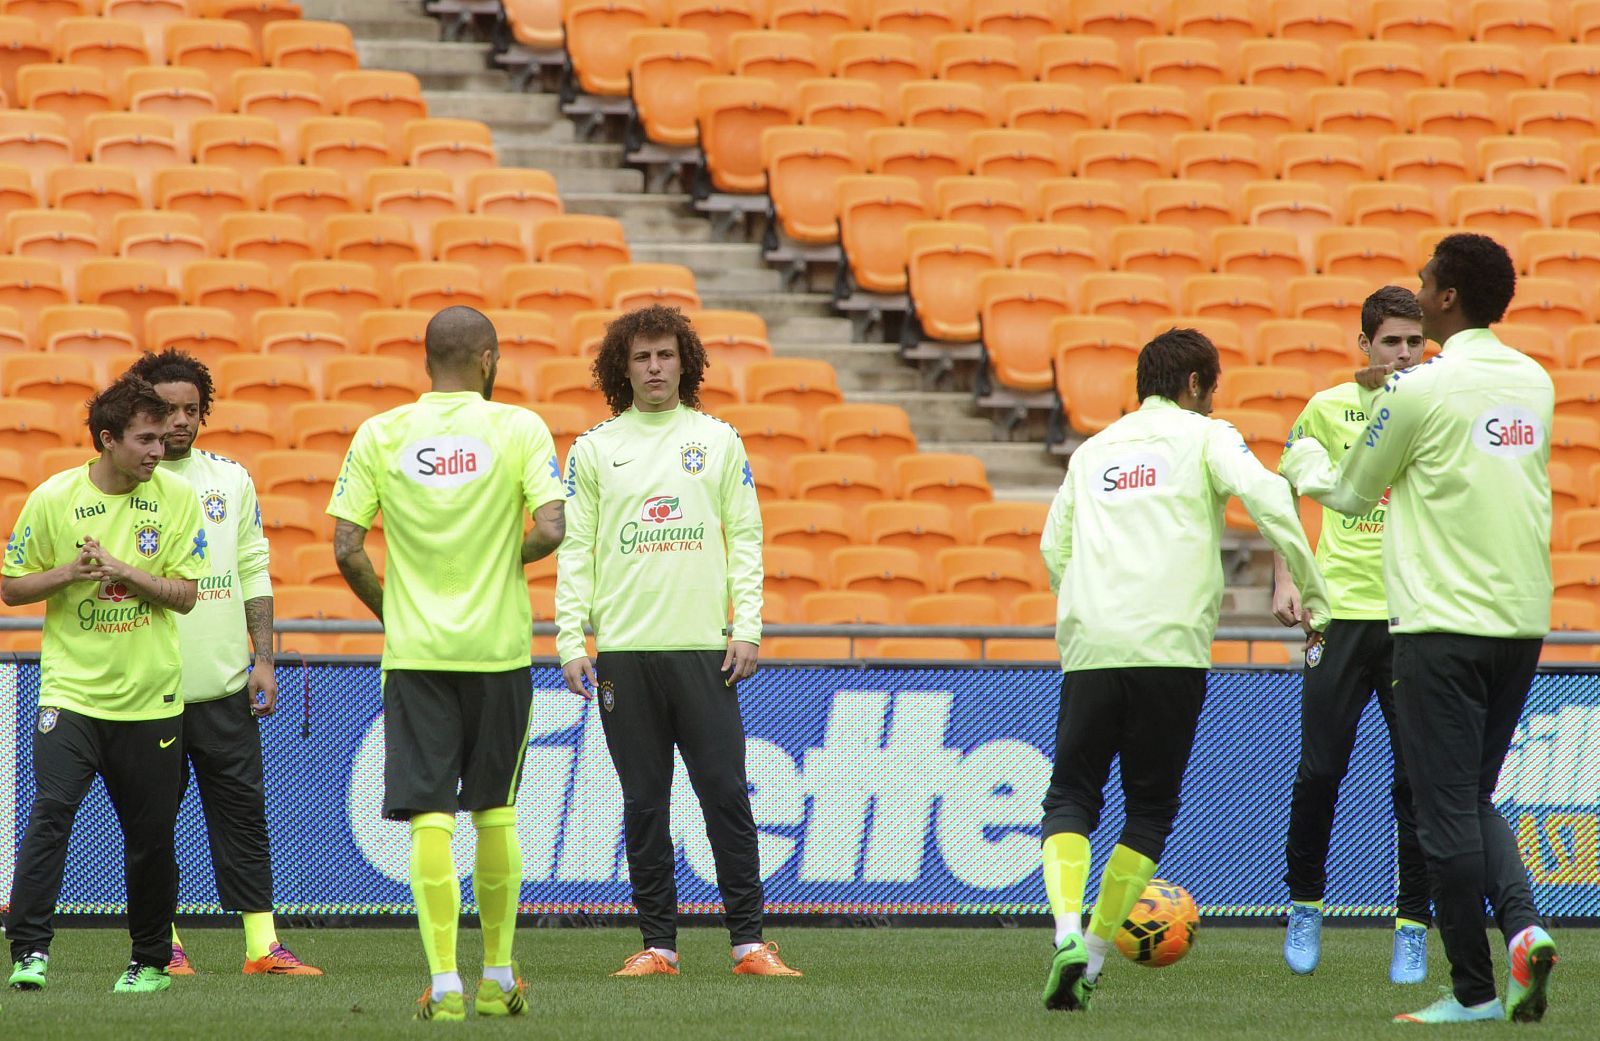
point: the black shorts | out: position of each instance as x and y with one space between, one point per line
453 741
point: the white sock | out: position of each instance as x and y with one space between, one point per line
502 975
1098 949
446 983
671 956
1067 924
740 950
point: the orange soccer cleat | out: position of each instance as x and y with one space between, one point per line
179 965
647 963
764 961
279 961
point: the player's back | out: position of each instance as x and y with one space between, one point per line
1144 582
453 475
1468 535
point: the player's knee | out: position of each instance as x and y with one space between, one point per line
52 814
495 817
433 821
723 790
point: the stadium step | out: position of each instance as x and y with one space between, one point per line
502 110
802 332
1012 465
771 305
861 366
375 19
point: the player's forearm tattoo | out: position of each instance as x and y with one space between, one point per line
350 552
258 620
174 594
549 528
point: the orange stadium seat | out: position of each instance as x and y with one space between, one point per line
1565 117
178 93
952 609
818 528
956 109
1260 113
276 381
1060 110
1054 249
1016 526
347 146
926 528
570 381
1495 69
390 98
786 59
66 238
1577 391
995 572
109 44
61 381
664 65
1143 299
135 286
309 194
217 47
1025 157
882 58
1576 207
1333 161
557 291
1122 156
1582 531
1429 25
141 143
925 156
1406 209
1537 343
435 285
943 261
873 214
853 106
1328 299
788 575
775 432
489 244
803 163
308 333
1552 303
732 113
920 23
458 147
346 289
257 14
241 431
819 20
1280 391
31 427
207 333
1023 22
246 144
1170 253
1296 66
847 480
380 383
733 338
597 34
1503 211
631 286
241 287
1201 206
1531 162
1230 160
1193 65
1574 440
1376 255
1016 311
288 97
1572 67
290 522
1562 253
1583 347
1315 21
804 383
527 196
526 337
1091 63
1160 112
29 286
892 571
1395 68
12 340
73 92
21 43
594 244
957 481
831 607
1097 205
882 432
1361 113
1320 348
16 189
323 49
96 332
719 20
387 334
988 62
420 196
1247 300
102 192
1124 22
1576 575
380 241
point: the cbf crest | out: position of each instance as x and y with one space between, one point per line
147 540
694 459
215 506
47 719
608 695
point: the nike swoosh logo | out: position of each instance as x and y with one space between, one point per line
168 742
625 462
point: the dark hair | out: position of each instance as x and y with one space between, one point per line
114 408
1480 271
1388 302
457 335
1166 362
174 366
611 364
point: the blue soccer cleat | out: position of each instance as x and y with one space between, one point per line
1448 1010
1302 944
1409 963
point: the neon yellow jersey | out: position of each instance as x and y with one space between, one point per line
1350 549
1461 444
663 537
107 652
455 477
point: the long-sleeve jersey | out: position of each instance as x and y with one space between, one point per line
213 637
663 535
1133 541
1350 549
1462 442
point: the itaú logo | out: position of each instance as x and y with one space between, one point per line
446 462
1133 474
1506 431
865 801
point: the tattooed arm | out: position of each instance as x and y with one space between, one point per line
350 551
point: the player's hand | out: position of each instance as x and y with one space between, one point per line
111 569
85 567
581 677
262 690
1286 606
1373 377
741 659
1314 644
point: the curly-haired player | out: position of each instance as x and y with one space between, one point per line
663 530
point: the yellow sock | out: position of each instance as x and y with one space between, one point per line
1066 872
175 941
497 881
1308 903
1122 882
260 933
435 888
1401 923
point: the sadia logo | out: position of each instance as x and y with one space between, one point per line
660 509
1506 431
1136 473
446 462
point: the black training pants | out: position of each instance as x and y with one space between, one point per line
1458 699
141 764
1145 716
1357 661
649 702
222 744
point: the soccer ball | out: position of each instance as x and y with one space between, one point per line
1161 927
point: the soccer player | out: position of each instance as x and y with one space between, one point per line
1132 544
115 549
223 696
1461 444
1355 662
664 531
454 475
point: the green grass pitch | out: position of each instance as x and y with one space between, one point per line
860 983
